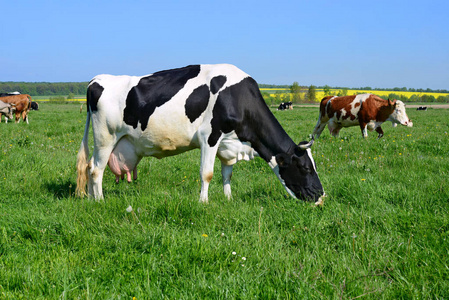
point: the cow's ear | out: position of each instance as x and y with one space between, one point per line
283 160
391 103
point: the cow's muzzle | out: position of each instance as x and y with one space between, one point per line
320 201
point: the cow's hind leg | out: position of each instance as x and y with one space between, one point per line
380 132
96 167
226 173
363 128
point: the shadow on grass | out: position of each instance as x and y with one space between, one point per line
62 190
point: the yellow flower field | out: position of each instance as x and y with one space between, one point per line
320 93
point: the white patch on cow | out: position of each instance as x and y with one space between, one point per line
309 153
354 110
372 125
274 166
232 150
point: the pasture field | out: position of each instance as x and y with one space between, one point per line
383 232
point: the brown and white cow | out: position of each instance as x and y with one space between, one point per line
7 110
22 103
366 110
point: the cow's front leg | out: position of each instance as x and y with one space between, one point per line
380 132
206 170
319 127
363 127
226 173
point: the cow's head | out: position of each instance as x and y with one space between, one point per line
398 115
298 171
11 110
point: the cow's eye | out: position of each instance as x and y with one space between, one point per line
307 169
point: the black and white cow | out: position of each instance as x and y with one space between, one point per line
34 105
217 108
285 105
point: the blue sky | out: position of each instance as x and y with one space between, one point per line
380 43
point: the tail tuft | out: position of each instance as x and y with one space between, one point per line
81 162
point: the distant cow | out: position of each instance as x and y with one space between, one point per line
422 108
22 103
9 94
123 160
366 110
216 108
285 105
34 105
7 110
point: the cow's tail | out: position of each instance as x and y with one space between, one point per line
81 161
29 102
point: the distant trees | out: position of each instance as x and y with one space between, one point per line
311 94
327 90
343 92
295 90
45 88
297 93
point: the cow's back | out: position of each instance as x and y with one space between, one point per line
21 101
161 112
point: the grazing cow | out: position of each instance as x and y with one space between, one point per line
422 108
216 108
34 105
22 103
7 110
123 160
286 105
366 110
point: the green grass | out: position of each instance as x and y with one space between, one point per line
383 232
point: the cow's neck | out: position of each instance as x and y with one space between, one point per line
267 136
241 108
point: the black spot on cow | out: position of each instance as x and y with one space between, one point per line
216 83
94 92
197 102
241 107
153 91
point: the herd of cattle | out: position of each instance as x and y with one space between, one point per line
218 109
17 104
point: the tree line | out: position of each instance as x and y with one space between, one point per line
45 88
303 94
294 92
